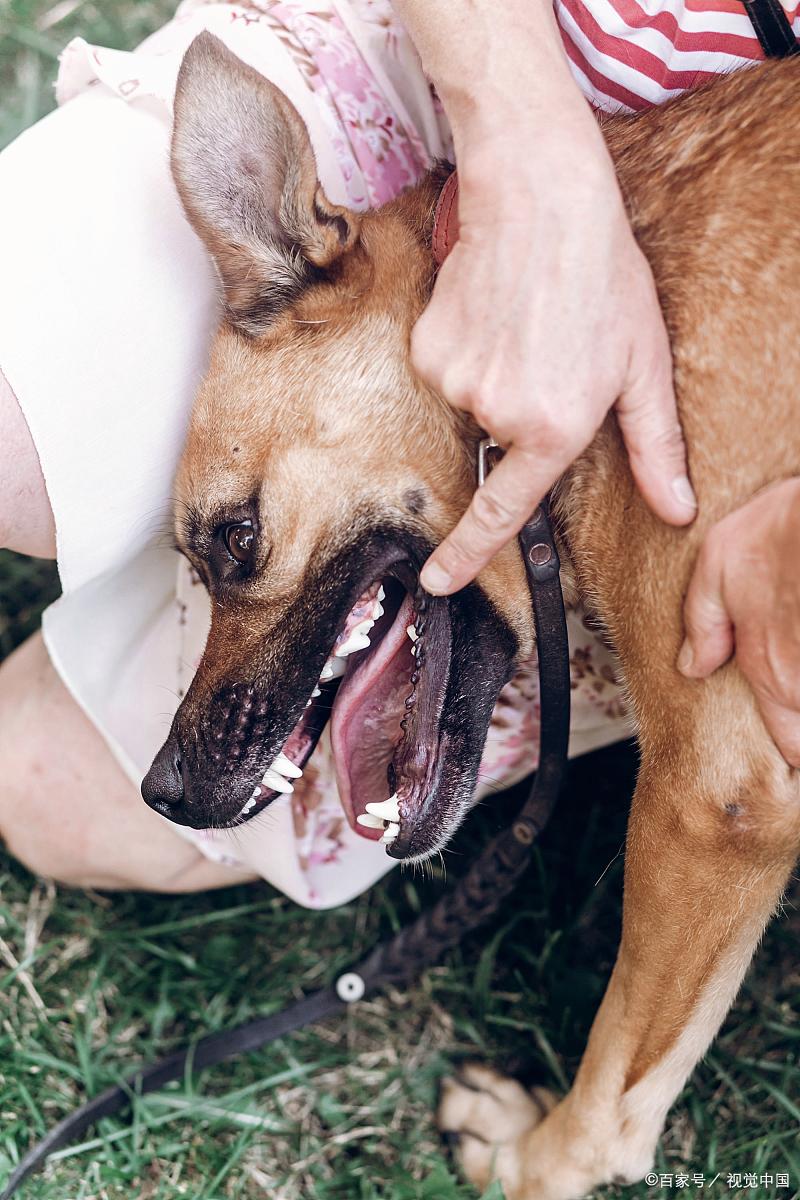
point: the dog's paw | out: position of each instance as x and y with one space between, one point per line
484 1116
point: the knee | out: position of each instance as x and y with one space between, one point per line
739 806
761 817
26 518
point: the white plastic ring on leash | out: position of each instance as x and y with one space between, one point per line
350 987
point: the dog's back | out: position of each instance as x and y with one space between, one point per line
714 191
712 184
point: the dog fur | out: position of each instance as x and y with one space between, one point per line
311 412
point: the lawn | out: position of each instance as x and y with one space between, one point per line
92 984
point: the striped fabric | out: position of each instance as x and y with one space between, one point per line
629 54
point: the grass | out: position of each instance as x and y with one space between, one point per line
92 984
34 32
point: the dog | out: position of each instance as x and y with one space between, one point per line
318 474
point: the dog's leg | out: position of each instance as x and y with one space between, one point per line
713 835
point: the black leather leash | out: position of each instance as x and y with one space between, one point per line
772 28
468 905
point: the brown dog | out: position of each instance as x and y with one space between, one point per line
317 465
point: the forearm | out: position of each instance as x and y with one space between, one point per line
493 63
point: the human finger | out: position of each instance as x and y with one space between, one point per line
496 514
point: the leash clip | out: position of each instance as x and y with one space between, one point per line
485 464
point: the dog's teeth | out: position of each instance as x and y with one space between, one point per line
276 782
378 609
251 803
286 767
381 593
356 641
316 692
390 833
387 810
412 633
370 822
333 668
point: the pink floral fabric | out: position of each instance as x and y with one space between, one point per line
388 153
373 138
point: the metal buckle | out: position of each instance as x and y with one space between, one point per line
485 445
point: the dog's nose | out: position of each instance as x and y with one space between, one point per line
162 786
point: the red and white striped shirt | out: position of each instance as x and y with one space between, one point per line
630 54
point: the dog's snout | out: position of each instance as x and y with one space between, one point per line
163 785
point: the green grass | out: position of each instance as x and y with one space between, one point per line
90 985
34 32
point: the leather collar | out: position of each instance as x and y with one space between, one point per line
445 220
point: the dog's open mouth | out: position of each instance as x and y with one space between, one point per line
383 689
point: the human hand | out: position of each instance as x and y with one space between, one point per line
544 316
744 598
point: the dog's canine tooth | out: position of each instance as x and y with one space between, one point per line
286 767
412 633
370 822
390 833
381 594
316 692
333 668
276 782
387 810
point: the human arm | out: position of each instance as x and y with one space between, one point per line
545 313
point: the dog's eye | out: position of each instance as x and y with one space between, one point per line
240 541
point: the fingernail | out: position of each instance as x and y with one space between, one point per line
435 579
683 490
685 658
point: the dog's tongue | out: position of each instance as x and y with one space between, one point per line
365 723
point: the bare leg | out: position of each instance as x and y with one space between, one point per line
26 519
67 811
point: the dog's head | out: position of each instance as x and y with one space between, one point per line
317 476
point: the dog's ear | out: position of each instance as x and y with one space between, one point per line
245 170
